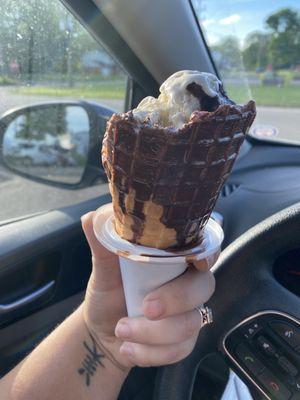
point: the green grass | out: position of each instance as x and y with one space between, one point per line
285 96
5 81
109 90
40 78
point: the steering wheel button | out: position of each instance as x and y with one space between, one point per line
266 346
287 366
295 383
251 329
288 332
277 389
248 359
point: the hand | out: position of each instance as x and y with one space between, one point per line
170 326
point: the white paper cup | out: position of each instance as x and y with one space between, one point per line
144 268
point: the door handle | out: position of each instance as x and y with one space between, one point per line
15 305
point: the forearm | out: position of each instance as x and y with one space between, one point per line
68 364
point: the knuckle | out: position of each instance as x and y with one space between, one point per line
187 351
142 363
184 298
191 324
135 328
178 355
184 352
172 354
140 358
139 331
212 283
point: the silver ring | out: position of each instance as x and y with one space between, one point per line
206 314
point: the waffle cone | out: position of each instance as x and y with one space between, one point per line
165 182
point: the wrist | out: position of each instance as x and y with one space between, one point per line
109 345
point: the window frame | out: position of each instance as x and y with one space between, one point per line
216 72
140 82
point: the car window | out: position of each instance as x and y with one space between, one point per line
255 46
45 54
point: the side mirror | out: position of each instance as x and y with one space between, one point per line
57 143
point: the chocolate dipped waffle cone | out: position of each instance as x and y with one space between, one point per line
165 181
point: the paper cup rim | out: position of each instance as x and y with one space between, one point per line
106 234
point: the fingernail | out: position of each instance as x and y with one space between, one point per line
126 349
154 308
123 330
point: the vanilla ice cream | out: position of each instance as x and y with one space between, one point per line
175 104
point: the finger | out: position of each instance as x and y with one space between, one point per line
151 356
106 271
204 264
98 251
171 330
180 295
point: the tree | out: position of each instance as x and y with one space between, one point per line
227 53
41 38
30 35
284 48
255 54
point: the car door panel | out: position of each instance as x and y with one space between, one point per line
44 260
19 338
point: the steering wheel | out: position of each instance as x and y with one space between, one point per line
245 285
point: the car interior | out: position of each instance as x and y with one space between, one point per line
45 260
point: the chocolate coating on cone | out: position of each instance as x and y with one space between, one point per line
165 181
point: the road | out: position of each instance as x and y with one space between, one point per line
19 196
9 99
285 120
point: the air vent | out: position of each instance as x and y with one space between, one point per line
229 188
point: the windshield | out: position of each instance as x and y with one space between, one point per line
255 46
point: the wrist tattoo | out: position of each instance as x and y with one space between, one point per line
96 352
92 360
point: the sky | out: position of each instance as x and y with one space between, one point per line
220 18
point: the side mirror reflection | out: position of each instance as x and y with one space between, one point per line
49 142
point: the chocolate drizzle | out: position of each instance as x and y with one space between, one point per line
138 218
208 103
122 202
181 170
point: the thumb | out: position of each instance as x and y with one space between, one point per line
99 252
106 269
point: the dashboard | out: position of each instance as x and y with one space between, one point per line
265 179
264 349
